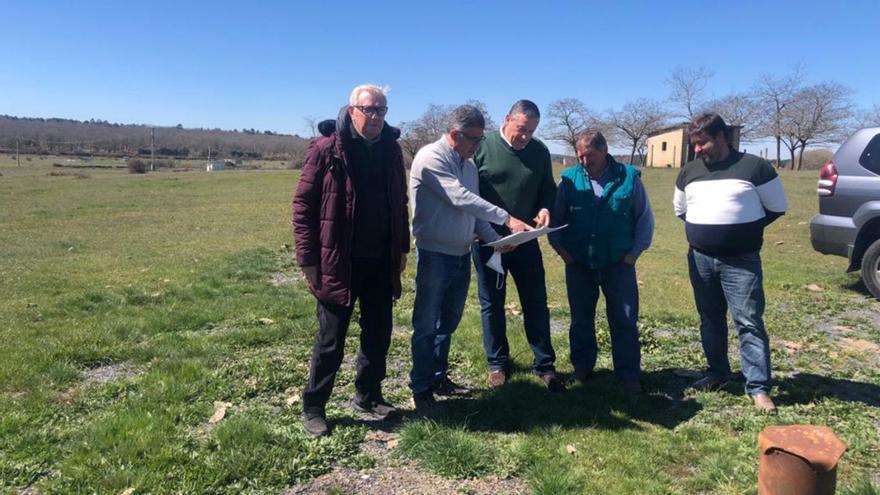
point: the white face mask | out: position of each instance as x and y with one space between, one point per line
495 263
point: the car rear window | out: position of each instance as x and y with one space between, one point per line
870 158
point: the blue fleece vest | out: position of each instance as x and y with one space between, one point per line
599 232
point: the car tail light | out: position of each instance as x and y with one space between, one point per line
827 179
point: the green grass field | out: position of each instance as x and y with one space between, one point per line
130 304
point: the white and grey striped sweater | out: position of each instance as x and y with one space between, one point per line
727 204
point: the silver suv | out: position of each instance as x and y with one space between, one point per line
848 223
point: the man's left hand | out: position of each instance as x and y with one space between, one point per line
402 263
629 259
542 219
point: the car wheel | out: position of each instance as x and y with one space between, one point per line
871 268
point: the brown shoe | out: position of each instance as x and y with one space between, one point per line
764 403
497 378
553 383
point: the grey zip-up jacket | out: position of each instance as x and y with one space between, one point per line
448 211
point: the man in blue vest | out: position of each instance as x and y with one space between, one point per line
610 223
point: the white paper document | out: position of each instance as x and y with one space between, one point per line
521 237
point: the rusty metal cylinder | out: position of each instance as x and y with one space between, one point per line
798 460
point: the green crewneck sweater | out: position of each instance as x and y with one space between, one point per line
521 181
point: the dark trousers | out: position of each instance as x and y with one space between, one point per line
618 282
526 266
371 287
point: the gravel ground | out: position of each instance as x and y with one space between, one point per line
402 479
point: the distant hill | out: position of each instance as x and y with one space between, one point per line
101 138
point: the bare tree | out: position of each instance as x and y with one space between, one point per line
490 124
427 128
311 124
773 95
869 118
634 121
739 109
432 124
688 89
818 114
566 118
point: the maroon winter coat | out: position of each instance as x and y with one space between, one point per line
323 213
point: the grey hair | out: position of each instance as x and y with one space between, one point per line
592 138
465 117
525 107
367 88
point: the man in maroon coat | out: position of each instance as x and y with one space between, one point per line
350 223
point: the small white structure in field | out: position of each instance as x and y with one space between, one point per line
216 166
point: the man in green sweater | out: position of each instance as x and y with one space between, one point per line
516 175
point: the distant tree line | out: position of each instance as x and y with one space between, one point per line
101 138
782 108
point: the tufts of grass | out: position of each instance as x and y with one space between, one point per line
447 450
863 488
544 481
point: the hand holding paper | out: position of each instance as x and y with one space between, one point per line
521 237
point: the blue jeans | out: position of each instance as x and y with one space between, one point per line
442 282
618 283
527 267
735 282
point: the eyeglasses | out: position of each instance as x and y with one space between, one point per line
472 139
373 111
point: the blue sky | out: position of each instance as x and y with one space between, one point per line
269 64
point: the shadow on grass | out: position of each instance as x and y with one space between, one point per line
803 388
857 286
523 404
389 425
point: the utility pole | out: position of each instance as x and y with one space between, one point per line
18 150
152 149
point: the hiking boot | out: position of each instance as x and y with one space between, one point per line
709 383
379 408
497 378
580 376
315 421
446 388
552 382
425 403
764 403
631 386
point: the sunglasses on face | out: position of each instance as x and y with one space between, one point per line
372 111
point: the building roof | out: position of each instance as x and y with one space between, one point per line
683 125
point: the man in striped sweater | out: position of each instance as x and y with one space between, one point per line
726 198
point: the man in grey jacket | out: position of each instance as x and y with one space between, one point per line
447 214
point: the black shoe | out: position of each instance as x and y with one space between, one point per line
446 388
709 383
376 407
552 382
315 421
425 403
580 376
